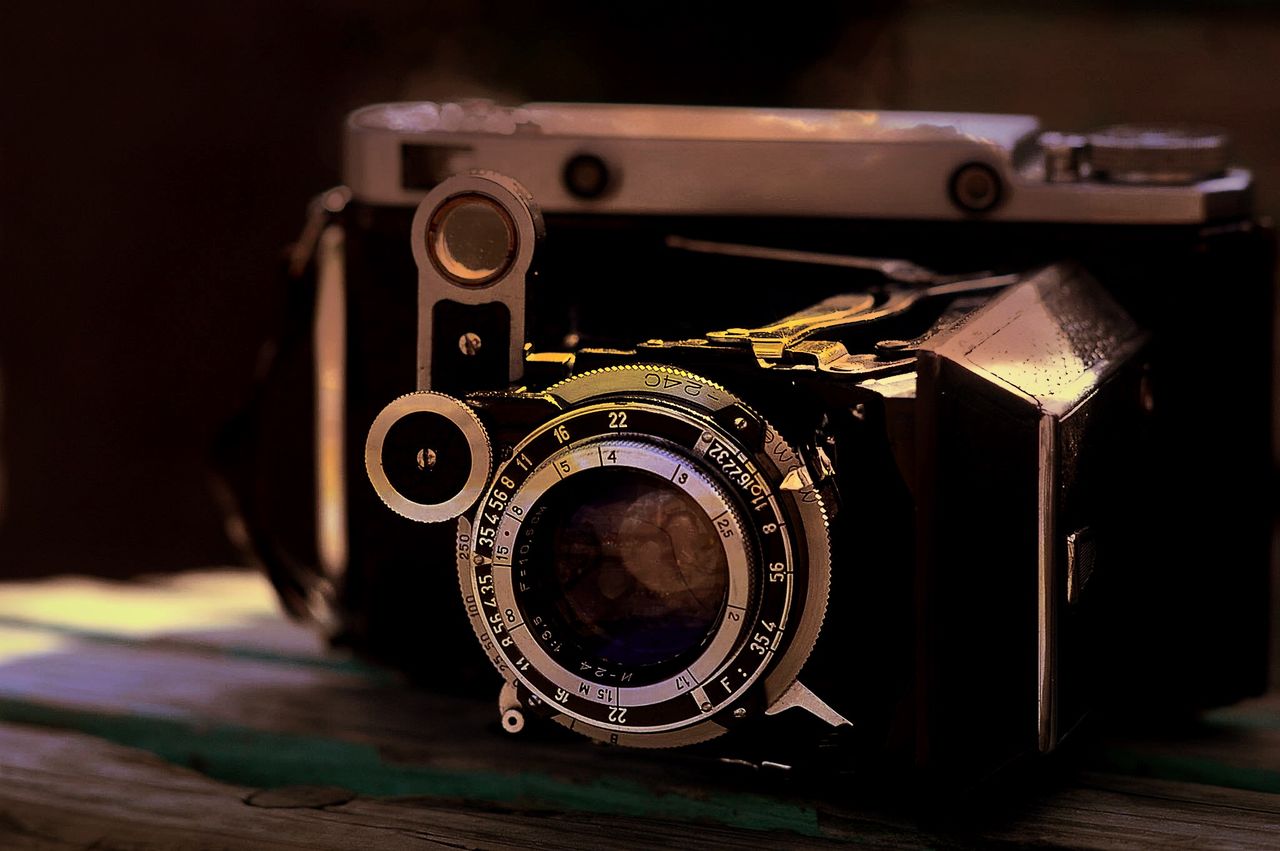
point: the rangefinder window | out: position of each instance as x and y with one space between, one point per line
423 166
471 239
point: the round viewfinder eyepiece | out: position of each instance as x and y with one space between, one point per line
471 239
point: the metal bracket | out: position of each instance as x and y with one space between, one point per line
473 239
772 342
798 696
511 709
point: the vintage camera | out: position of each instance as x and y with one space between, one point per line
913 433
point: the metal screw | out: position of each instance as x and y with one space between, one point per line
860 411
739 713
740 423
426 459
705 706
469 343
478 559
706 437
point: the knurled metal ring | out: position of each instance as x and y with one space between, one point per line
479 464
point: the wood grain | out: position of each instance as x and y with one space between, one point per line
149 733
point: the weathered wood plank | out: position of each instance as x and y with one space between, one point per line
62 790
250 701
67 790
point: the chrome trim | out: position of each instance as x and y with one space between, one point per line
1046 587
680 160
329 336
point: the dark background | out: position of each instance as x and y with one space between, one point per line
155 159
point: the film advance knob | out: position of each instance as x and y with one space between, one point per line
1155 154
428 456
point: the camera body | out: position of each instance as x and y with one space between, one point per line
903 424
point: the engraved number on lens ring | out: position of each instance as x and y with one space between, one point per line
595 702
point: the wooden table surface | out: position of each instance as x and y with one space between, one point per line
186 712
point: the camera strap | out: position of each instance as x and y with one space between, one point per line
306 576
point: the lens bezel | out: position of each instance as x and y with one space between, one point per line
555 657
786 529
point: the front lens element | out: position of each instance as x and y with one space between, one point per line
471 239
634 569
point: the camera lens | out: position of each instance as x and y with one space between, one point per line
640 564
630 566
471 239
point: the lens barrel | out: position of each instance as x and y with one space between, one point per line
638 566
